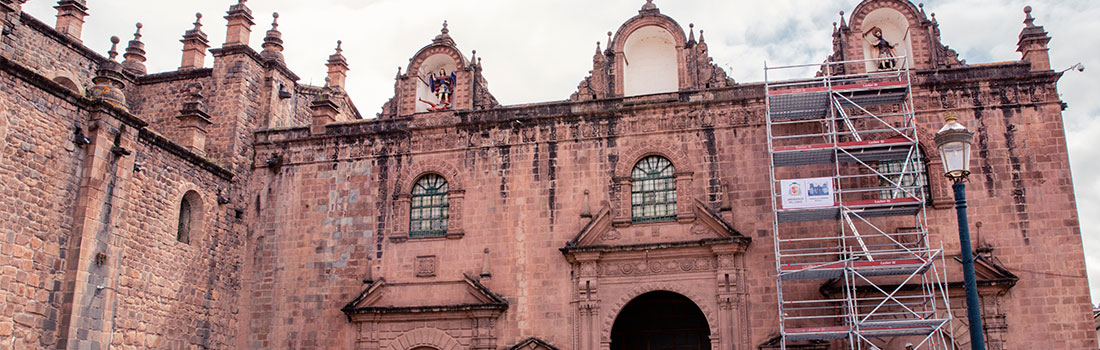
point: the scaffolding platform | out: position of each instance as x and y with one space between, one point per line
872 208
793 272
880 329
852 151
814 102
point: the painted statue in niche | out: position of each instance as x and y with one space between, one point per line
442 85
885 50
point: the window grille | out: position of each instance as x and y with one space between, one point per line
428 210
914 179
653 191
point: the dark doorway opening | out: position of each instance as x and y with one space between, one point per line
660 321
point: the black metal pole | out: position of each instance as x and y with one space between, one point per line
973 307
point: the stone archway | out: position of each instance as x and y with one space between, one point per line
660 320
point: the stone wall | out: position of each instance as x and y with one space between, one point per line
90 208
41 169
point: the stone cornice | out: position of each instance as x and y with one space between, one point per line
653 246
1013 71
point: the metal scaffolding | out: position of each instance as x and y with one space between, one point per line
854 265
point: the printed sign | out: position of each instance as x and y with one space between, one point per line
807 193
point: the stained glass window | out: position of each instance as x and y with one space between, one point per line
653 192
428 211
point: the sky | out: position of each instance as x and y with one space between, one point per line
538 51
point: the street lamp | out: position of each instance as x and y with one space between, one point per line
953 141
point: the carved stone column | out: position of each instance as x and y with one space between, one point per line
684 212
588 301
400 229
454 218
368 336
483 337
620 204
732 313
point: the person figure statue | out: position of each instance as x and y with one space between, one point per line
886 56
442 85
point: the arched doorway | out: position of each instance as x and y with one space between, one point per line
660 321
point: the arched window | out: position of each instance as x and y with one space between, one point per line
429 208
653 191
190 218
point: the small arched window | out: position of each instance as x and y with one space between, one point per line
429 208
653 191
190 218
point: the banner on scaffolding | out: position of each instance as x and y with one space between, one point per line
807 193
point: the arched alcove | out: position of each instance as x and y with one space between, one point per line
650 64
67 82
660 320
895 31
190 217
433 67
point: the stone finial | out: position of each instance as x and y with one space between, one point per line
134 62
109 79
649 6
195 44
691 33
598 50
198 22
444 36
194 119
485 264
702 40
1033 43
843 23
70 17
337 68
586 207
324 110
922 14
239 24
609 42
113 52
273 41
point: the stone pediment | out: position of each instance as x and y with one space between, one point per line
532 343
706 226
419 298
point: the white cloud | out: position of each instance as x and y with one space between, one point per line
539 50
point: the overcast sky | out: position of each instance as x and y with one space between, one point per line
536 51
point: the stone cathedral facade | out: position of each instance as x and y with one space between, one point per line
233 207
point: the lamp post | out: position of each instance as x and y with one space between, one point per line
954 141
